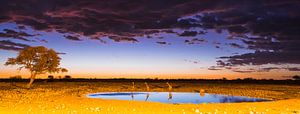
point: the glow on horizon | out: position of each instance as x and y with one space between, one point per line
145 59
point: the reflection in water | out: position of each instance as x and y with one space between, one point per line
226 99
170 96
202 92
117 94
147 96
132 97
179 97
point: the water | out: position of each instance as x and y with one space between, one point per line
174 97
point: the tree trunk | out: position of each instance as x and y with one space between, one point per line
32 77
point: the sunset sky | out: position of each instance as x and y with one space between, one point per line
156 38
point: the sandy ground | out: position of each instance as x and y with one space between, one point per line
70 97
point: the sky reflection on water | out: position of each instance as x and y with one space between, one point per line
174 97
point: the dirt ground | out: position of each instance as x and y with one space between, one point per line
70 97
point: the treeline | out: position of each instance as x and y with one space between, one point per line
224 80
18 77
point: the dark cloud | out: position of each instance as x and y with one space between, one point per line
9 45
216 44
167 31
135 17
221 63
16 35
8 33
74 38
188 33
271 28
267 69
263 57
61 53
43 40
235 45
123 39
202 32
195 41
293 69
118 18
21 27
163 43
243 71
222 66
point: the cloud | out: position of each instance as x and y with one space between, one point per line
135 17
216 44
271 29
262 57
115 18
123 39
163 43
293 69
8 33
124 18
9 45
188 33
61 53
244 71
193 61
195 41
235 45
273 32
267 69
74 38
43 40
214 68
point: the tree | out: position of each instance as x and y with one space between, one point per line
50 77
67 77
248 79
37 60
17 77
224 78
296 77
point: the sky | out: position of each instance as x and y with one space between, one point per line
156 39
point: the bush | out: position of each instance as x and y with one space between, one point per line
50 77
296 77
17 77
67 77
248 79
